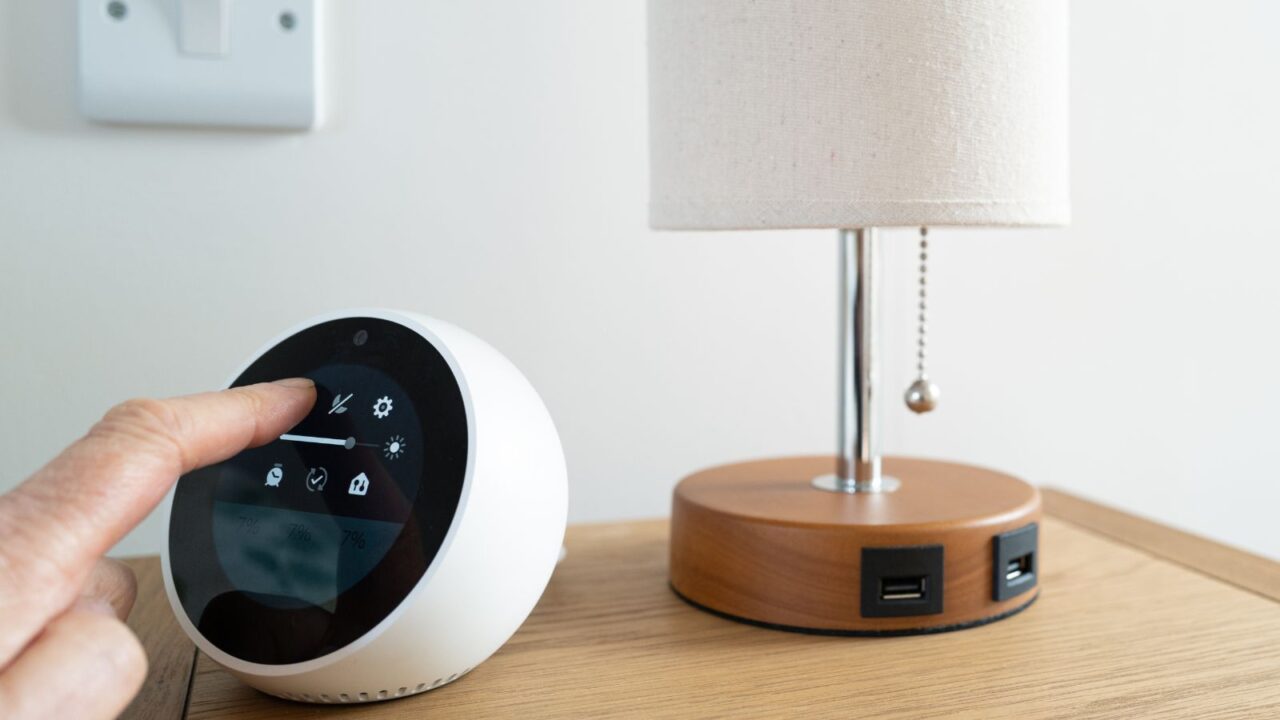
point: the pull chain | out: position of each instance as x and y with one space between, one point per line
923 395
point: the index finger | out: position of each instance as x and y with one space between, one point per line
62 519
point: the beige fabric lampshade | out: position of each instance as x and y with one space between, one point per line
857 113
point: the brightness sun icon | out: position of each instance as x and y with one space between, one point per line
394 447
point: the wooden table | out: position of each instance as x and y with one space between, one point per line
1135 620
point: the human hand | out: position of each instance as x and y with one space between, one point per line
64 650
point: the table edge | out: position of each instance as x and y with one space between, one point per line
1241 568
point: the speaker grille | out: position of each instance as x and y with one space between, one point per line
369 695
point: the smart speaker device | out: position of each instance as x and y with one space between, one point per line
392 540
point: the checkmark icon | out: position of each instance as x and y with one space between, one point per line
316 478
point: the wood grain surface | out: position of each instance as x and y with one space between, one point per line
1118 632
1236 566
170 654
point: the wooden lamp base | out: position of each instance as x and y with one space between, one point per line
955 546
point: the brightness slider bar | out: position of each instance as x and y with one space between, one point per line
348 443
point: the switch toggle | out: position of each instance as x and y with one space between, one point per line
203 26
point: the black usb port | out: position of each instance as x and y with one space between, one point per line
1017 568
907 588
901 581
1014 562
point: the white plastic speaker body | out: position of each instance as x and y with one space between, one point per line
492 567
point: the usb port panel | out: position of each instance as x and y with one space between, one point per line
1015 562
901 581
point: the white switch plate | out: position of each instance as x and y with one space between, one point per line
237 63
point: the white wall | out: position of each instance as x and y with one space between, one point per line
486 162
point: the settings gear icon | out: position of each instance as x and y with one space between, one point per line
382 408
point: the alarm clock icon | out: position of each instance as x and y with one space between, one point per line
424 561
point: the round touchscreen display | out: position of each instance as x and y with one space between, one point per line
298 521
291 550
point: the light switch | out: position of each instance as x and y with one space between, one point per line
202 26
234 63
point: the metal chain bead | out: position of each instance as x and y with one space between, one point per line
922 330
923 395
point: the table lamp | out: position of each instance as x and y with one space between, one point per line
775 114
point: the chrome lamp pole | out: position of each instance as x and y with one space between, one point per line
858 459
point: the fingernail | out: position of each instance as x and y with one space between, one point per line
298 382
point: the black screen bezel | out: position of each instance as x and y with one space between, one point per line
256 632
